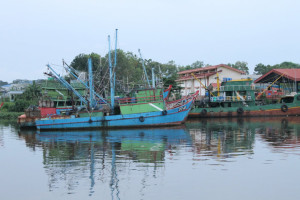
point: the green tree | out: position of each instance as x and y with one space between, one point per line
262 69
3 83
80 62
286 65
240 65
19 106
31 93
197 64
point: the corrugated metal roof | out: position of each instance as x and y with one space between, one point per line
292 74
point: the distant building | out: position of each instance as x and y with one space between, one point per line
20 81
12 94
6 87
206 75
12 90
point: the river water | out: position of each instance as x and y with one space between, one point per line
204 159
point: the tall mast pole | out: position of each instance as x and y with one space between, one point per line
112 91
115 64
91 103
116 48
153 78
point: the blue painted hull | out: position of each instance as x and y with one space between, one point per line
173 117
154 135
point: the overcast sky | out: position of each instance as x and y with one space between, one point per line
36 32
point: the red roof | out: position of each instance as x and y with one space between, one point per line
293 74
210 68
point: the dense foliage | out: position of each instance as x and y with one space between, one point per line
3 83
262 69
129 71
240 65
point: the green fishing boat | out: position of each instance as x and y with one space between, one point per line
236 98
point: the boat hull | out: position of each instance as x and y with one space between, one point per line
26 122
174 116
253 111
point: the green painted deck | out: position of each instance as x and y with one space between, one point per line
148 100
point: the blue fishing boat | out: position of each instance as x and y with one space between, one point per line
175 115
148 108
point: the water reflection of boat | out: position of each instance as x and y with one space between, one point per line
219 138
230 136
141 145
102 153
283 134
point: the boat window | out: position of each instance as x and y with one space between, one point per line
242 93
298 97
287 100
61 103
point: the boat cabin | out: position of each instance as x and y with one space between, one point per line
233 93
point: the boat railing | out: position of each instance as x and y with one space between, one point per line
129 100
237 88
179 102
230 99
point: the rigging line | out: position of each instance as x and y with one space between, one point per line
103 79
269 85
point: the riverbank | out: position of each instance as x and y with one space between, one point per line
6 115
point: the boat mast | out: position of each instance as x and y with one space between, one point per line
91 103
112 91
115 64
153 78
144 69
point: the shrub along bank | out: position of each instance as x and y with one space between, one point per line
10 115
11 110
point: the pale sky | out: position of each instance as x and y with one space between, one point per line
34 33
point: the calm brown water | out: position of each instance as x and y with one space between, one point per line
205 159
